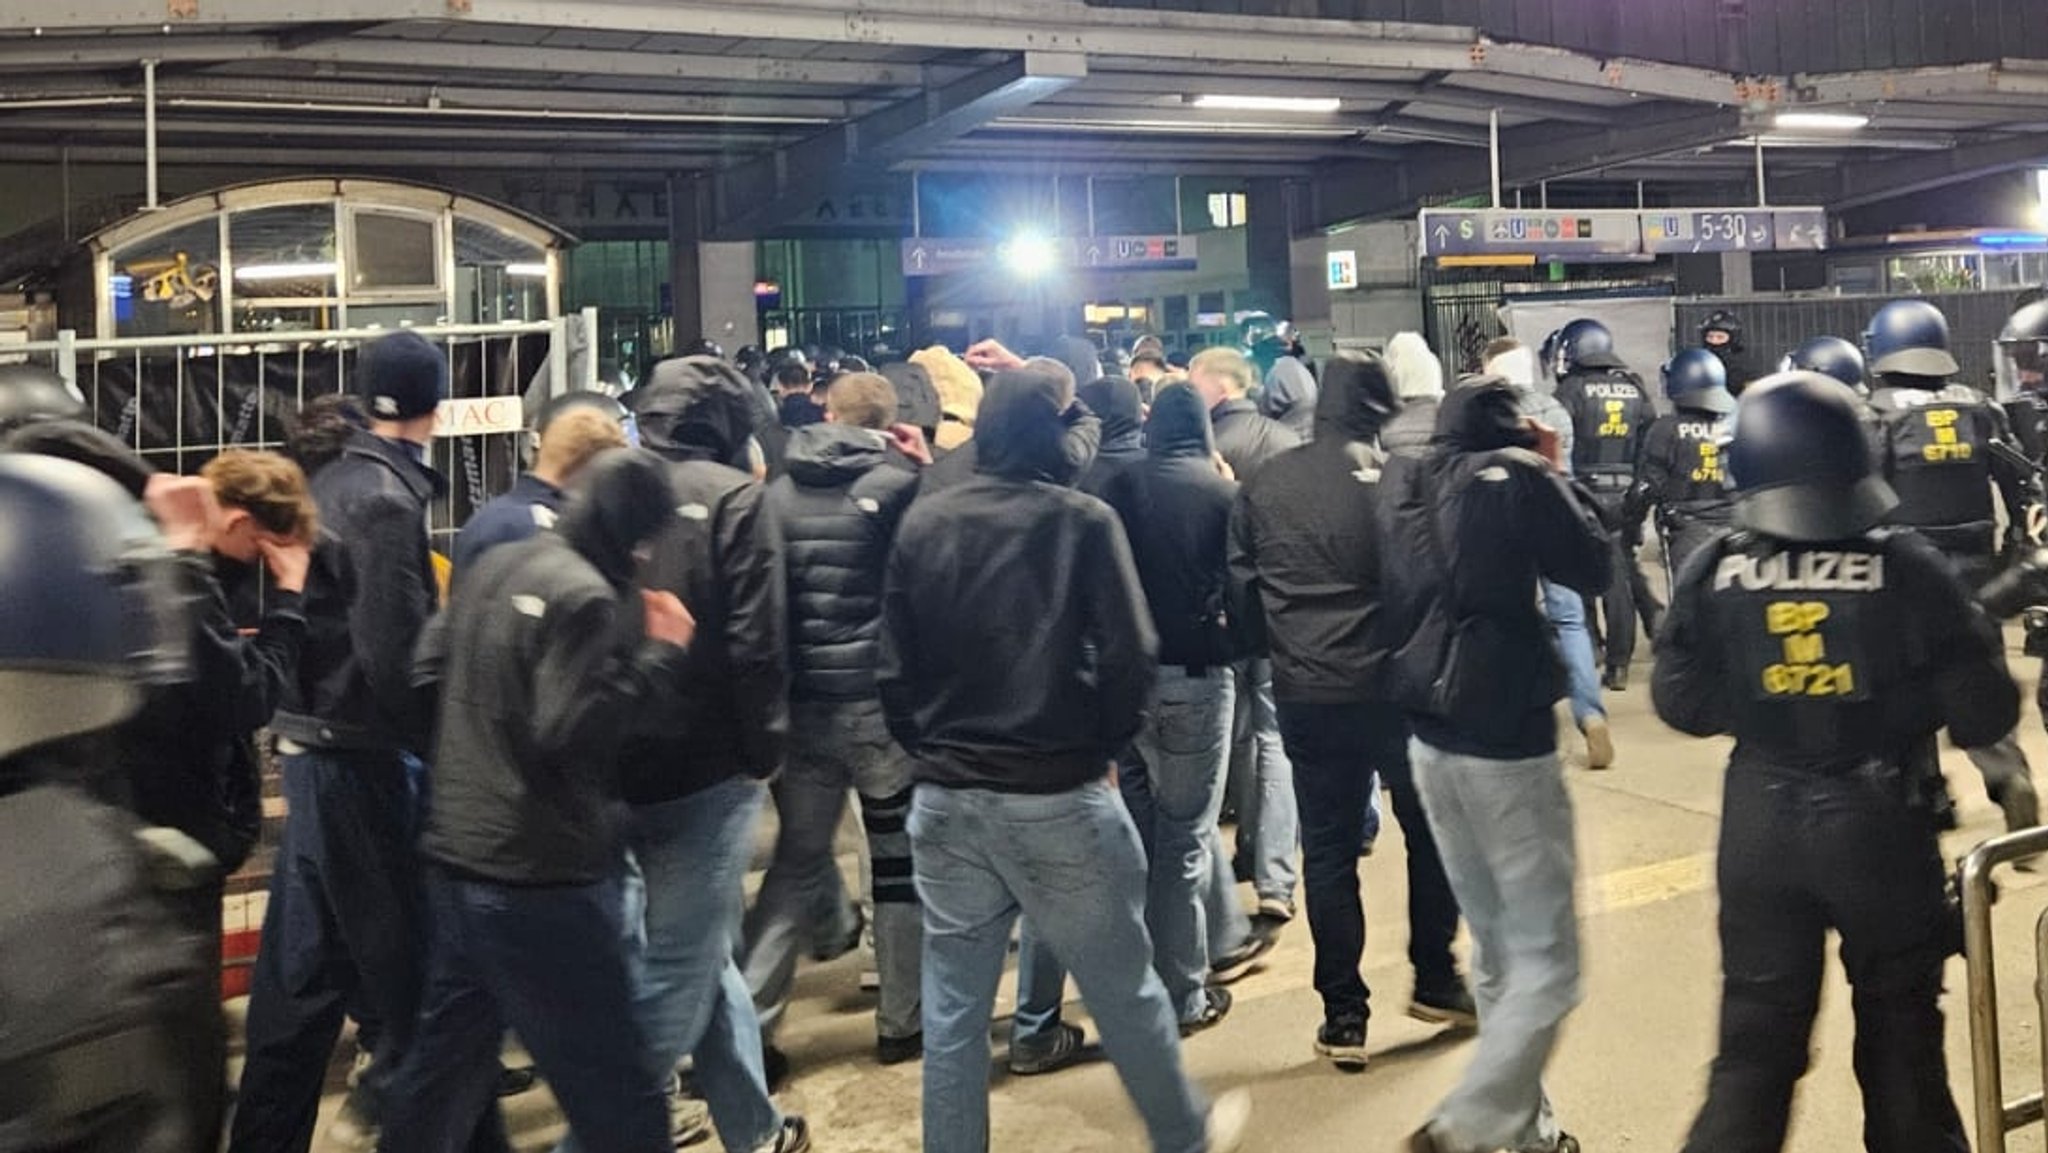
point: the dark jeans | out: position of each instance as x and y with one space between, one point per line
1801 855
1336 749
343 929
549 962
1617 632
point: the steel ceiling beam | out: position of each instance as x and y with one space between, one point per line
351 159
764 190
1443 95
1868 182
710 143
1528 156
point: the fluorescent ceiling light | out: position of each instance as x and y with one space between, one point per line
1821 121
526 270
1270 103
305 271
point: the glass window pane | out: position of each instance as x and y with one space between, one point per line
394 252
393 315
478 244
284 252
168 284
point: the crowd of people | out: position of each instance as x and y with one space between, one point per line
1046 621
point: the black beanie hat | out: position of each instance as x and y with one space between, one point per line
401 376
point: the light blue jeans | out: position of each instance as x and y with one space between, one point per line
1071 862
692 855
1262 785
1567 612
1504 830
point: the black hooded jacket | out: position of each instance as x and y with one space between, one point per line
1017 652
837 509
721 554
1175 509
542 661
1305 544
1466 534
1248 439
1115 401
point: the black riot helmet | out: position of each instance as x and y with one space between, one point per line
1727 325
1799 464
704 346
89 604
749 358
30 392
1580 345
1696 379
2023 352
1909 338
1829 356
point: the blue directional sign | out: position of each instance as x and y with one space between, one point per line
1609 234
927 256
1799 228
938 256
1733 229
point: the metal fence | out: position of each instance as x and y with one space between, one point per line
1774 325
1995 1115
178 401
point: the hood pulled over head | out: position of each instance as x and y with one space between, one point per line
1357 397
1418 373
1180 424
1116 401
695 408
618 501
1482 415
1019 433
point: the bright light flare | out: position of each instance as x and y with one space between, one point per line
1233 103
1029 255
1819 121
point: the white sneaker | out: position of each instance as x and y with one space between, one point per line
1230 1119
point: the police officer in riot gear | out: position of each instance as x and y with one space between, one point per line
1834 651
1287 387
1721 334
1942 448
1680 469
30 392
1829 356
1610 412
2022 372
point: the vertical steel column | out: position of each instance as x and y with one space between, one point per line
1493 151
149 132
1762 198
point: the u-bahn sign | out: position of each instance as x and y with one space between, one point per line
1613 234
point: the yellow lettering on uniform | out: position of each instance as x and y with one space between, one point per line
1945 453
1805 649
1941 417
1945 435
1783 617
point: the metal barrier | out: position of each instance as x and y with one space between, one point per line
1996 1116
1775 324
178 401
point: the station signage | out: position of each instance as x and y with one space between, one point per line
1595 235
944 256
1344 269
480 416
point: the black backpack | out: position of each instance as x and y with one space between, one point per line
98 986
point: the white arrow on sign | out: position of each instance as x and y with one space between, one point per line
919 258
1443 236
1095 254
1760 237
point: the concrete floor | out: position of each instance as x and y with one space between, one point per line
1629 1073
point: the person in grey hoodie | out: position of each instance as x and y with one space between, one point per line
1419 384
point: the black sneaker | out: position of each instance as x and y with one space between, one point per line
1566 1143
512 1082
1343 1042
793 1137
1616 681
1452 1006
1215 1007
897 1050
833 950
1239 963
1064 1051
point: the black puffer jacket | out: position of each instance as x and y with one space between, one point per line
1467 532
541 660
721 555
837 510
368 596
1248 439
1305 555
1176 512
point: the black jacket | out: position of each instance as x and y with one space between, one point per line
370 593
1017 653
530 505
1115 400
542 662
1825 658
1411 429
1468 531
837 510
723 556
1248 439
1175 509
1680 472
1082 439
1305 552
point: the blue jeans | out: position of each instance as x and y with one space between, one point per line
1072 863
1567 613
1174 789
548 962
1262 784
343 934
692 854
1504 829
836 746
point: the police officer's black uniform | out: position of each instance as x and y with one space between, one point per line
1834 651
1679 472
1610 412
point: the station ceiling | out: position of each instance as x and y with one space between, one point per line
775 102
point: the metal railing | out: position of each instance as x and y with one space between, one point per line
1995 1115
178 401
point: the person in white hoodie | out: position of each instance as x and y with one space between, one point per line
1516 363
1419 382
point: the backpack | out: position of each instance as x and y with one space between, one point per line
98 986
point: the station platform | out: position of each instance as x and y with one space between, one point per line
1629 1073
